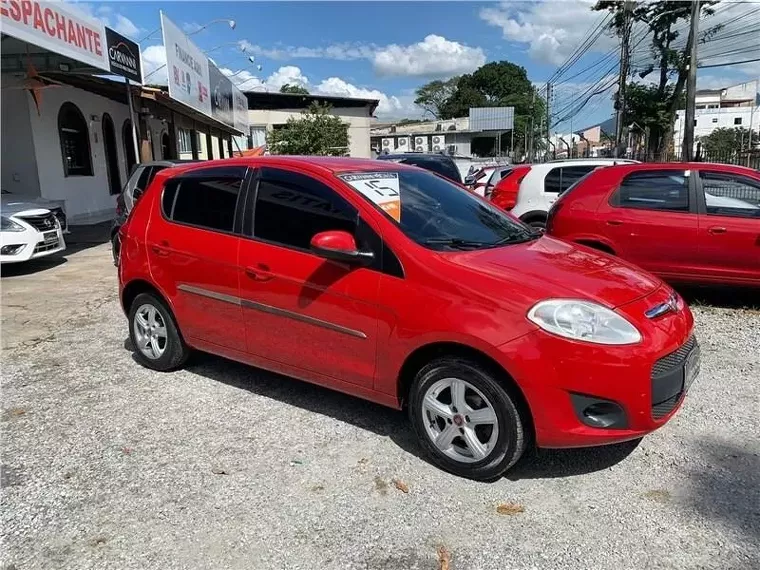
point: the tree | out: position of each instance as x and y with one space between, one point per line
294 89
496 84
726 142
663 20
316 132
433 96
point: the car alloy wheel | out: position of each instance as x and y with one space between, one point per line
150 331
459 420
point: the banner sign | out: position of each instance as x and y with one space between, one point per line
195 81
187 68
221 95
57 27
123 56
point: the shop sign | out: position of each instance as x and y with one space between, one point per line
187 69
123 56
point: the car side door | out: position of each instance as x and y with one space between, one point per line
192 245
729 226
651 219
303 313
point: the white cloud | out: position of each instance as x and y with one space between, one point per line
435 56
389 105
551 29
153 58
191 27
125 26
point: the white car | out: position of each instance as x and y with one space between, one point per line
529 190
28 232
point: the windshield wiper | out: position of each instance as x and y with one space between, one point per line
457 243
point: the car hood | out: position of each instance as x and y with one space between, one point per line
550 268
15 203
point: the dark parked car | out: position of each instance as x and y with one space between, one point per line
438 163
141 177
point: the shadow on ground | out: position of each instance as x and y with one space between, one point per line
387 422
724 297
727 490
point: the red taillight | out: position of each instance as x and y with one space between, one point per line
505 193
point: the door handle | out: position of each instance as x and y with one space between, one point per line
717 230
260 273
160 248
614 223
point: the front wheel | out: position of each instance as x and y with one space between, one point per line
465 419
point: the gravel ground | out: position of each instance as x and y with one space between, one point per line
108 465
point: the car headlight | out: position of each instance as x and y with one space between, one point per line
583 320
8 225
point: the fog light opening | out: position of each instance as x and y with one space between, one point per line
602 414
12 249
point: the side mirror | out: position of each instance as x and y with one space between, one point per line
339 245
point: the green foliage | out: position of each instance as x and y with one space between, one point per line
496 84
727 141
294 89
665 20
316 132
433 96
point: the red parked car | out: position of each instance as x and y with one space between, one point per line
693 222
393 284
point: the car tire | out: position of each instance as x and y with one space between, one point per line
169 351
495 452
538 224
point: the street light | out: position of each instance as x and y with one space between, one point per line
230 23
242 47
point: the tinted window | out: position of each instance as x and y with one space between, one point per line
204 201
442 167
560 179
655 190
731 194
291 208
439 215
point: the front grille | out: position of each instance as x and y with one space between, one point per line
60 215
668 379
43 223
664 408
674 359
42 246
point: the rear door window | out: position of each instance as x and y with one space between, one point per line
654 190
730 194
559 179
205 198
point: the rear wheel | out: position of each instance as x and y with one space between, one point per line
115 248
465 419
538 224
154 334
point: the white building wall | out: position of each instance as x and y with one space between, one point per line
18 159
710 119
87 197
357 118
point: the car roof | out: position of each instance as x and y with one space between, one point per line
169 162
681 166
324 164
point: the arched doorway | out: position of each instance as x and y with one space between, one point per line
112 155
129 145
165 151
75 141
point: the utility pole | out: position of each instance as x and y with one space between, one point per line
548 112
687 148
532 125
624 65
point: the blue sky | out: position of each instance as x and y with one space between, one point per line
385 50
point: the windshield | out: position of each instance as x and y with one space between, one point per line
437 214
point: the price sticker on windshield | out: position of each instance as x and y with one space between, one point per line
380 187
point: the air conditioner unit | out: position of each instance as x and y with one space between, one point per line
438 140
389 144
437 148
421 144
404 143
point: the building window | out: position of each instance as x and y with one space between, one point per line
184 141
129 145
737 120
715 120
695 122
75 141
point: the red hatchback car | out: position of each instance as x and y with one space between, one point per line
393 284
694 222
